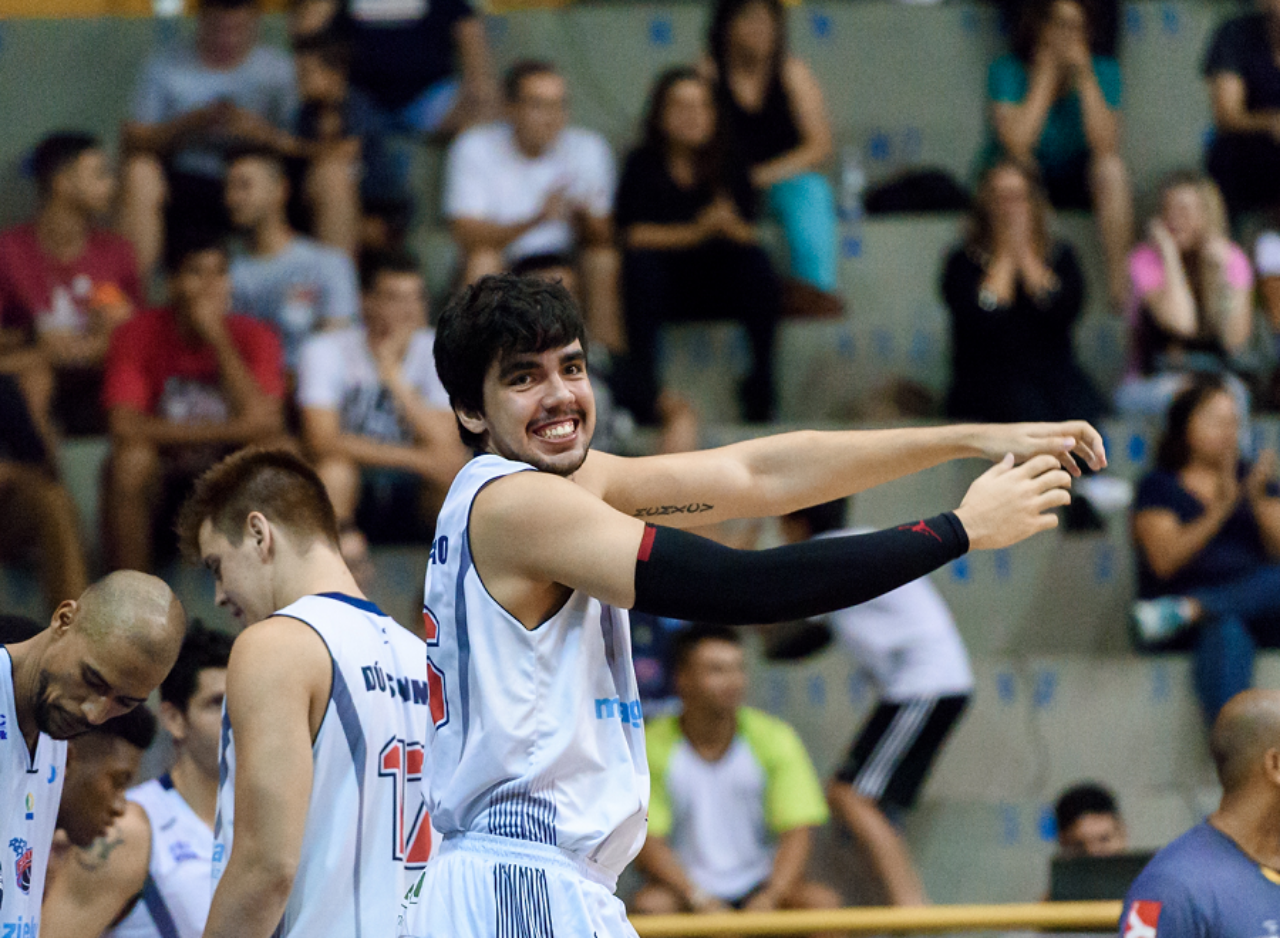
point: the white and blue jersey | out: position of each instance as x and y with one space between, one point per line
1203 886
174 902
30 789
537 773
538 733
366 820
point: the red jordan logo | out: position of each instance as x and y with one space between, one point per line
921 527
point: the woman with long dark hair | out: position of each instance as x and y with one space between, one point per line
685 212
774 117
1206 524
1015 295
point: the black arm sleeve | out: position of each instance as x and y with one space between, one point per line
684 576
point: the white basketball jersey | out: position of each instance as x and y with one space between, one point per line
366 821
30 789
536 734
175 899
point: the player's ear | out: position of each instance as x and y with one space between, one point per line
474 422
1271 765
258 531
63 616
172 719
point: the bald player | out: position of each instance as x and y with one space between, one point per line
100 657
1222 877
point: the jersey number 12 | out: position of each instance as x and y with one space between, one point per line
403 762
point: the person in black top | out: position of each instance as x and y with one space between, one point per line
685 213
774 118
424 63
1014 296
1242 67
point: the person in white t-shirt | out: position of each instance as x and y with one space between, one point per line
1266 261
906 642
295 284
374 414
530 185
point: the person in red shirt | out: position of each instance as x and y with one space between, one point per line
184 385
65 284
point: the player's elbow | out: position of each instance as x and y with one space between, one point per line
271 875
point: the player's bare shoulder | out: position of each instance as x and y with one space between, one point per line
121 855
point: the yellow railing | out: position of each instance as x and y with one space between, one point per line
1074 916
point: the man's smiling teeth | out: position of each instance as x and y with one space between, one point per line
557 431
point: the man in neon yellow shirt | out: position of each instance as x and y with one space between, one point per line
734 796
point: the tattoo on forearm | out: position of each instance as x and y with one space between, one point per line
95 856
658 511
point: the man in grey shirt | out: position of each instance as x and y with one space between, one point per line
196 102
295 284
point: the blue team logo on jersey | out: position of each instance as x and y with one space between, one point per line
22 863
31 807
181 851
4 723
615 708
53 774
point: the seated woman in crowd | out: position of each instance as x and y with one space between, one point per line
685 213
1191 309
1014 295
1207 527
1056 107
774 118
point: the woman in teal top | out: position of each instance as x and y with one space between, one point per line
1056 107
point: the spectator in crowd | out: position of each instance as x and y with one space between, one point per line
65 283
150 875
294 284
1015 295
775 120
1055 108
530 184
677 419
39 514
1192 305
425 66
686 212
375 416
1266 260
1206 524
1242 67
94 819
734 798
335 117
184 385
906 642
1219 878
195 104
1089 823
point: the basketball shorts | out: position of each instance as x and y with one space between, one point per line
480 886
890 758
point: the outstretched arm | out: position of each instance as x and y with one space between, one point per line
94 885
273 713
778 474
535 534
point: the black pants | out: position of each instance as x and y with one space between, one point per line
1246 168
720 280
